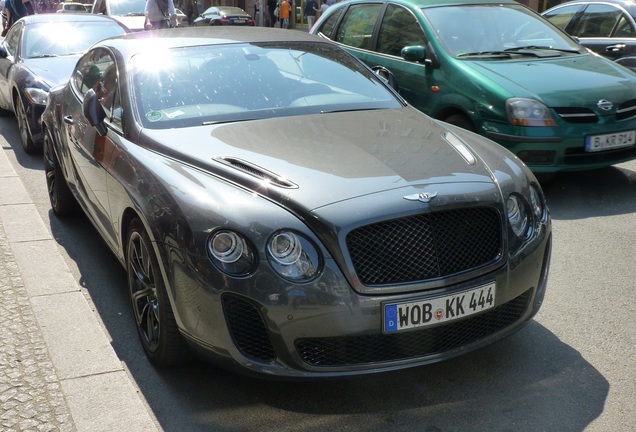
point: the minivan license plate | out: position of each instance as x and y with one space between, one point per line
422 313
595 143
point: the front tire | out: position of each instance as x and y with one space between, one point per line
155 320
62 200
23 127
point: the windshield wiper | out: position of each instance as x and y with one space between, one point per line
44 56
488 53
133 14
541 48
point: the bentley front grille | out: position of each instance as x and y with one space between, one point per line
426 246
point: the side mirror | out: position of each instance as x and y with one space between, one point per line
386 76
414 53
94 112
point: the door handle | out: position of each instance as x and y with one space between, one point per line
615 48
69 120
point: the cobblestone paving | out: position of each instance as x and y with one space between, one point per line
31 398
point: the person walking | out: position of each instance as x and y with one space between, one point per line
284 12
160 14
311 7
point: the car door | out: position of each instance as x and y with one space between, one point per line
376 33
88 150
604 28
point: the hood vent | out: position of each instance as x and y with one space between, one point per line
258 172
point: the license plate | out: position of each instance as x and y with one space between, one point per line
422 313
239 21
595 143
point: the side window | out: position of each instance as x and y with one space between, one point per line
12 39
561 17
399 29
356 28
329 25
598 21
624 28
97 70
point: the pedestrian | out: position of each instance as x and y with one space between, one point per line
160 14
284 12
310 12
271 7
323 7
15 10
189 11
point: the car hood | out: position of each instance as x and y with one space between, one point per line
564 81
52 71
316 160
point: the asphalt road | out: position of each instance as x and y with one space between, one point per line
573 368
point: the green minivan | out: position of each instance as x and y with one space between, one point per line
499 69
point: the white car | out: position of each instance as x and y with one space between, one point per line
129 12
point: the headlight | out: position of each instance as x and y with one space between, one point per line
537 206
293 257
528 112
518 216
231 253
37 96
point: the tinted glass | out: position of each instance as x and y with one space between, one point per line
124 7
399 29
598 21
329 25
561 17
356 29
197 85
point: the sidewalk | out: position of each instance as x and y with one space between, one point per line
58 370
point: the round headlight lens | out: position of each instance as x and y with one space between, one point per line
285 248
231 253
226 246
517 216
293 256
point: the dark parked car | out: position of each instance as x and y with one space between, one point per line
39 52
278 207
501 70
224 15
606 27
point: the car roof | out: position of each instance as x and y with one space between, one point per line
136 42
625 3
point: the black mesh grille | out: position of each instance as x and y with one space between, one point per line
626 110
425 246
347 351
247 328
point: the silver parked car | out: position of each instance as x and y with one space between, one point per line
278 207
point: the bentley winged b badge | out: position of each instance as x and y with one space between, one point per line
422 197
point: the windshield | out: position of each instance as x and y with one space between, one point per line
225 83
62 38
127 7
467 30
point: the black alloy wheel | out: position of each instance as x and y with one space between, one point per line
23 127
62 200
155 320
